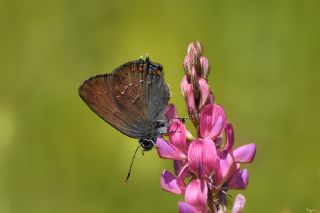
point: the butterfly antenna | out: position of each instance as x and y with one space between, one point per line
182 119
130 168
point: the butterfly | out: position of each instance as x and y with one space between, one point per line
132 99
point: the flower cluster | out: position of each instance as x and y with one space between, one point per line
205 167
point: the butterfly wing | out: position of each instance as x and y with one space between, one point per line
130 99
97 93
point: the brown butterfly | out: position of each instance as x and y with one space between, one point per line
132 99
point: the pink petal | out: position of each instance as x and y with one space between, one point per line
211 98
212 121
218 141
245 153
196 194
185 87
178 164
239 203
226 166
229 137
171 112
182 176
204 90
195 157
187 208
239 180
187 64
169 151
168 182
178 137
190 102
210 157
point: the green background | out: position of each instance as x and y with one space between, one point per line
57 156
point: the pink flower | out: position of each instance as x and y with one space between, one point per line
206 167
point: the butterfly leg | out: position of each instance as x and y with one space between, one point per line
154 143
141 148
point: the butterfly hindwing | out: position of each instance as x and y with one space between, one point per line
97 93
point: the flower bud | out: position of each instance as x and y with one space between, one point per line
195 49
187 65
205 68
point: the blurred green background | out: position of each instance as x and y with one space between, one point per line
58 156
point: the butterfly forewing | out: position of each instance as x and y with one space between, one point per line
141 86
130 92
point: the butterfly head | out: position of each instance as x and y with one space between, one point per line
150 66
147 144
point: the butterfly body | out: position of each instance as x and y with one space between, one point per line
132 99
